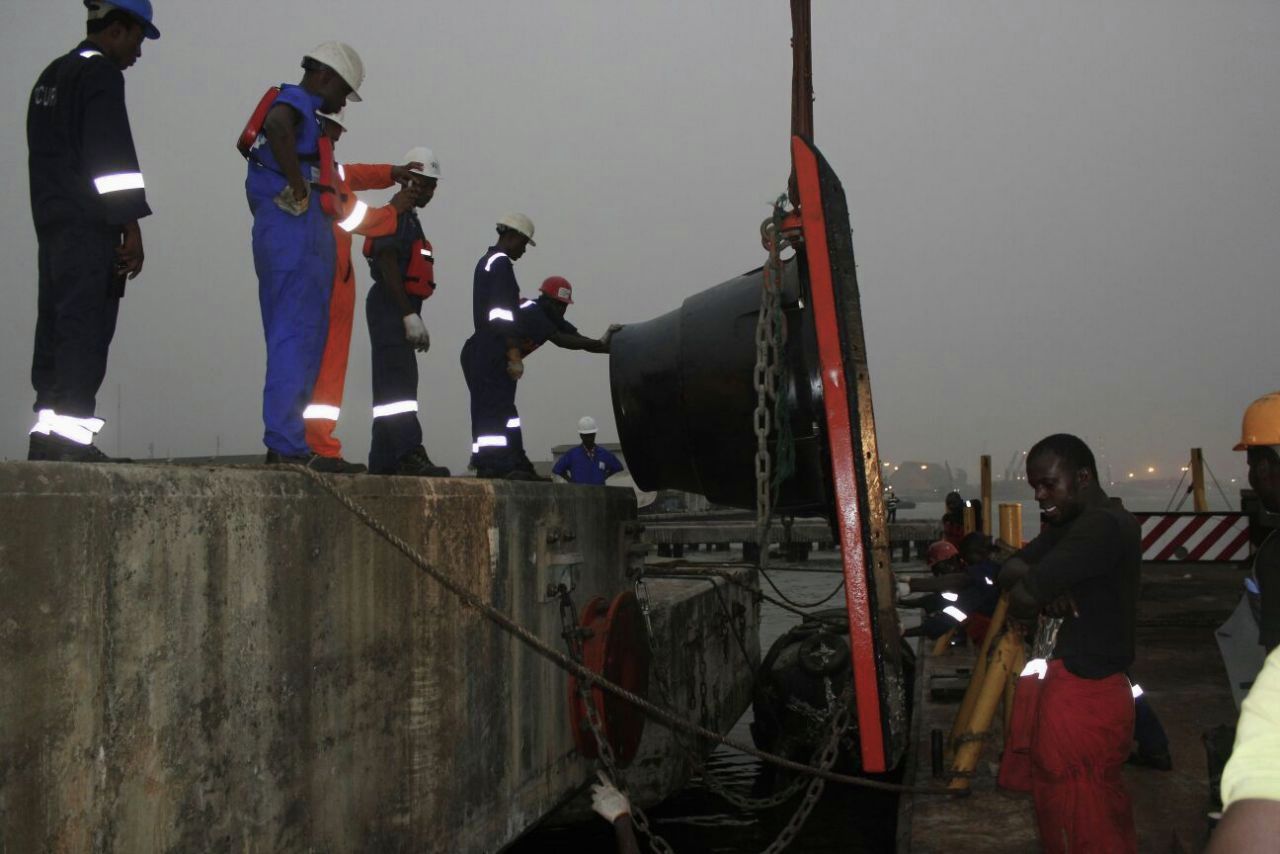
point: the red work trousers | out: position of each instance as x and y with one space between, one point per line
1015 762
321 417
1082 736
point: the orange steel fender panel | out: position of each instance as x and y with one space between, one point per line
849 505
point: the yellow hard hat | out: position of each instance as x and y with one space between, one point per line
1261 422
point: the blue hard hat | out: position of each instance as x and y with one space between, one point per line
140 9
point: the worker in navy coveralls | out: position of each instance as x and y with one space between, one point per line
587 464
87 195
507 329
293 246
403 268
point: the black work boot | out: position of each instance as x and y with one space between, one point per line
328 465
59 449
335 465
38 447
416 463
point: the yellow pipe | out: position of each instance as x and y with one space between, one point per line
979 669
993 686
970 520
1011 523
943 643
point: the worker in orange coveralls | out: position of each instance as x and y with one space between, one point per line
321 416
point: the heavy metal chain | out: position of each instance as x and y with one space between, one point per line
604 750
765 377
663 716
824 758
695 757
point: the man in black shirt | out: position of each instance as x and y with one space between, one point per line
1084 568
87 195
1260 440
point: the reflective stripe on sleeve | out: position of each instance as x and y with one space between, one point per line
488 265
321 412
395 408
1136 690
951 597
490 442
1036 667
513 423
955 613
90 54
117 182
426 253
357 216
501 314
342 172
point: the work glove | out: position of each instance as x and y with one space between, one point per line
515 368
415 332
608 801
288 202
904 589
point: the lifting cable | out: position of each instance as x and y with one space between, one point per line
662 716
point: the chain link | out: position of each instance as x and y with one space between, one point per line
765 377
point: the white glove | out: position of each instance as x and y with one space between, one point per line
289 203
515 368
415 332
904 589
608 801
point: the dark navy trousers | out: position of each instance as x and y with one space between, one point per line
396 429
497 441
78 304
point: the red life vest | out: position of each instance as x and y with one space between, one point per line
419 274
324 182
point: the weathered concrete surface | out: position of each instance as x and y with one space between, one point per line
1179 668
221 659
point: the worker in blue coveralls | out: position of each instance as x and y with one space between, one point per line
293 246
507 329
403 268
87 195
587 464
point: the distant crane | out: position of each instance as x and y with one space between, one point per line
1013 465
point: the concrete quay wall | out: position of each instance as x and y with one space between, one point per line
222 659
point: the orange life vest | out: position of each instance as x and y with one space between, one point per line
325 166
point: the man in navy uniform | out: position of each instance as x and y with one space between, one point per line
587 464
87 195
403 268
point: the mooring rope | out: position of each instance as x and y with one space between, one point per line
663 716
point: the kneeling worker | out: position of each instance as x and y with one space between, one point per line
402 265
588 464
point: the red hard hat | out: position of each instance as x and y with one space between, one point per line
559 289
940 551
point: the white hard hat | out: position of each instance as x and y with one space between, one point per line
339 118
586 424
519 222
430 165
344 60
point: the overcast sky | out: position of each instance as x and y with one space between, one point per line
1066 215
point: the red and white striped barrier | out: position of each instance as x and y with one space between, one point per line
1188 537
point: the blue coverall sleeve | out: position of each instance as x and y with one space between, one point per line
612 465
561 466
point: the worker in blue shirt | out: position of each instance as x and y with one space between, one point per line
293 245
87 195
588 464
